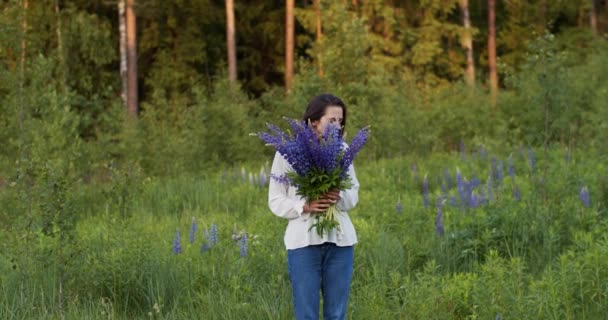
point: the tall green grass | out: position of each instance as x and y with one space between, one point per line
543 257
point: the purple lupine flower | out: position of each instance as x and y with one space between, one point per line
501 172
193 230
584 196
425 192
531 159
263 179
511 168
399 207
177 243
213 235
243 248
459 180
439 219
354 147
490 189
473 201
282 179
475 182
516 194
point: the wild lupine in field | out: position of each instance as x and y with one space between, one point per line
453 201
516 194
263 179
439 218
511 168
425 192
490 191
193 230
177 243
243 248
501 171
584 196
399 207
531 159
213 235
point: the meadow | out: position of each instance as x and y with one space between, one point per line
474 234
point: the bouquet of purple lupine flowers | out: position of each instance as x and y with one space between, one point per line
320 162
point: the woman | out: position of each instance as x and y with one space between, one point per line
317 263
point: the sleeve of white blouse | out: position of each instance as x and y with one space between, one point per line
350 197
279 201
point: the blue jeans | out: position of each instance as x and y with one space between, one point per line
327 268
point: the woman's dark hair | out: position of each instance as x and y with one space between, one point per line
317 106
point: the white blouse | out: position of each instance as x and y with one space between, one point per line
285 203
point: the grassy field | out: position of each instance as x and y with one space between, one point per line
497 236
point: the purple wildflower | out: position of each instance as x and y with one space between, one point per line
511 168
439 219
425 192
516 194
584 196
399 207
177 243
282 179
531 159
213 235
501 172
263 179
354 147
193 230
243 248
490 191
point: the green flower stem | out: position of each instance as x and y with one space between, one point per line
327 221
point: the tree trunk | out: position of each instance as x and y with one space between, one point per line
122 36
23 39
467 43
289 44
317 5
60 46
132 98
492 50
593 16
231 42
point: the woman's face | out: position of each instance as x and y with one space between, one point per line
333 115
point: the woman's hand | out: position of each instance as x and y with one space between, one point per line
322 204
